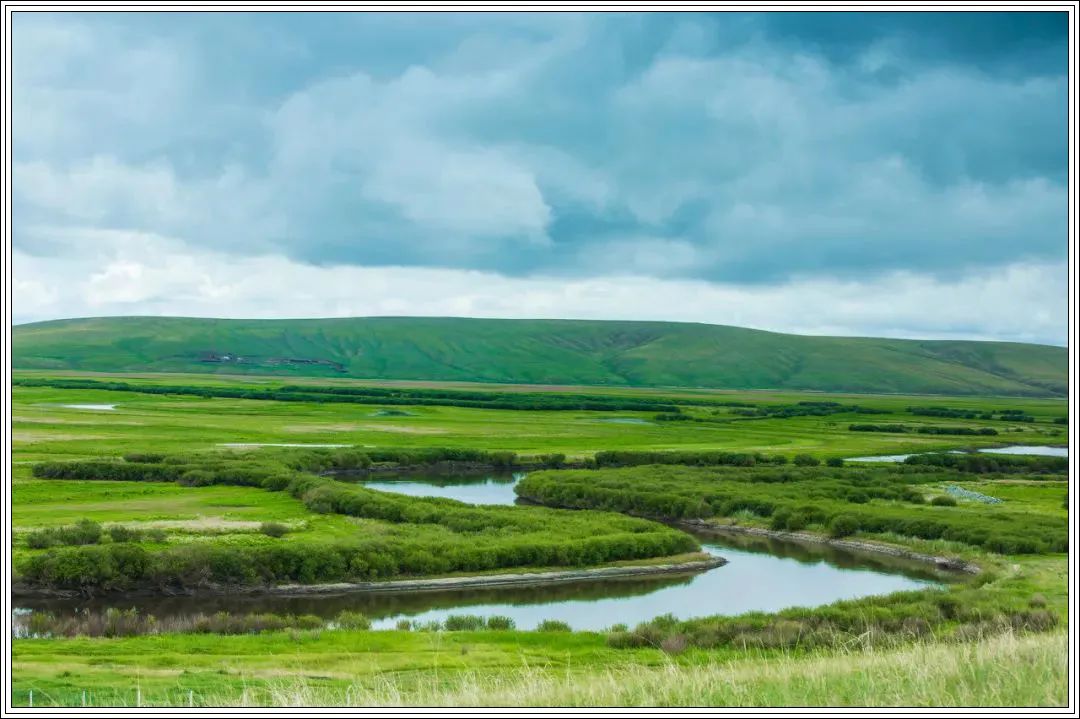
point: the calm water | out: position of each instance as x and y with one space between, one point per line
1042 451
762 574
489 488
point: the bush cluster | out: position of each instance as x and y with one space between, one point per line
873 621
633 458
87 531
443 535
531 401
834 500
808 409
982 463
923 429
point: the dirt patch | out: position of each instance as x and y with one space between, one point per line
197 525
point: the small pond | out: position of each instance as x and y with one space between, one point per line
1018 449
485 488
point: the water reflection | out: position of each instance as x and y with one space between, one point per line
762 574
488 488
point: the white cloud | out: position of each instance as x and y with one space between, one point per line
147 274
477 193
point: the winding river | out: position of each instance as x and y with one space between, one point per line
762 574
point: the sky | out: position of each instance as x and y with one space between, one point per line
880 174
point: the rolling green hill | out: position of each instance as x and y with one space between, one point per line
541 352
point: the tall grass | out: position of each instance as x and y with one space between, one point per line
1006 670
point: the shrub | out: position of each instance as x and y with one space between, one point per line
805 460
353 620
41 539
674 644
835 461
843 525
463 623
120 533
552 461
943 500
148 457
500 623
196 478
85 531
273 529
553 625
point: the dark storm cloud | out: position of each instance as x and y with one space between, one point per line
730 147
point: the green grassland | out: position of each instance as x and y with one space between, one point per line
527 669
542 352
1012 654
43 428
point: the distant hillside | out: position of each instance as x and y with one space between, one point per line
542 352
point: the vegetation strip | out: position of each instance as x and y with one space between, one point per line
839 501
405 536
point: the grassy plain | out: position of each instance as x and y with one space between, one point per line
528 669
514 667
44 429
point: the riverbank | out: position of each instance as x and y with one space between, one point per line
418 585
951 564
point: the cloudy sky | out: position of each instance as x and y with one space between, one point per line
858 174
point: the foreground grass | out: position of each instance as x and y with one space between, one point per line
1005 670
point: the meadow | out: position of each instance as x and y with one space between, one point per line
213 495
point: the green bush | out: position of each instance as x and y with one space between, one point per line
120 533
553 625
463 623
843 525
943 500
273 529
500 623
353 620
886 500
805 460
41 539
445 535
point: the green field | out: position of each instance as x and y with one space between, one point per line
543 352
527 669
43 428
1008 649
